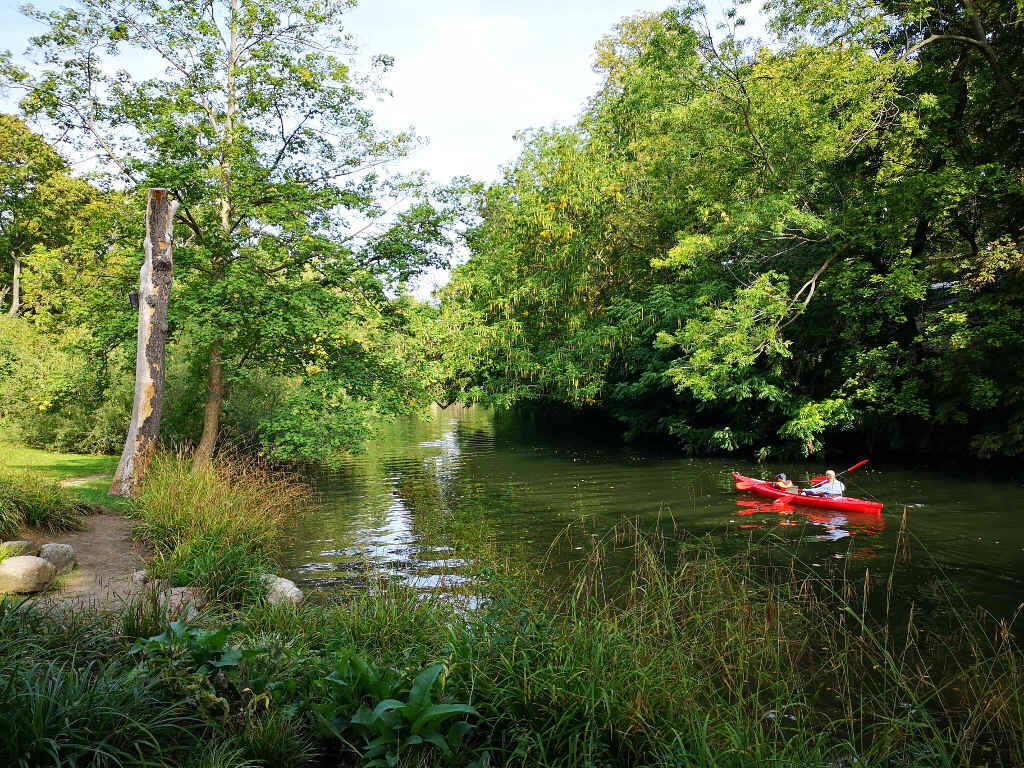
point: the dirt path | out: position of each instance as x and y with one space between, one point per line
107 556
82 480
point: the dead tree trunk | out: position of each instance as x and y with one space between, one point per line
16 289
154 297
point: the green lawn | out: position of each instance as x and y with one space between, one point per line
66 466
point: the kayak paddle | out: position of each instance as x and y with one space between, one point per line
822 479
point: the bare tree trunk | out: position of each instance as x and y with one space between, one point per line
16 289
211 415
154 296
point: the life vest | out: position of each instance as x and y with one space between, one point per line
784 485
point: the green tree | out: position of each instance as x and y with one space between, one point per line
30 169
753 248
257 122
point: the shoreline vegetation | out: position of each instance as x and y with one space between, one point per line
696 659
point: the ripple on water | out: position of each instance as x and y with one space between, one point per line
427 497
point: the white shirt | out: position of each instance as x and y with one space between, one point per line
834 488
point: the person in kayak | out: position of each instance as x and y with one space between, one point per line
831 486
782 483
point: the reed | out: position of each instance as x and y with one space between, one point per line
26 499
220 527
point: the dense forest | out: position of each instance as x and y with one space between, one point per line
764 246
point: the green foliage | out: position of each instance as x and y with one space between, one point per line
290 246
760 248
706 659
51 396
203 650
218 527
230 572
388 726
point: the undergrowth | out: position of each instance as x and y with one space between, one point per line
700 659
27 499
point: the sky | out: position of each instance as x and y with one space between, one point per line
468 74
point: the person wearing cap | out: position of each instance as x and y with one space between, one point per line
831 486
782 483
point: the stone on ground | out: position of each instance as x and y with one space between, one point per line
281 590
61 555
19 547
183 602
26 574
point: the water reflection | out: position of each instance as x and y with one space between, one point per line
433 498
830 525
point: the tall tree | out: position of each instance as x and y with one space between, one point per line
750 247
255 119
26 164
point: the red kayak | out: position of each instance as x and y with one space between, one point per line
765 488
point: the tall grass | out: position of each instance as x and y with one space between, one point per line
698 660
219 527
27 499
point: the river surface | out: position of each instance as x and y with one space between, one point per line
431 496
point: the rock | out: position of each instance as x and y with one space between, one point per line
140 578
19 547
26 573
184 602
61 555
281 590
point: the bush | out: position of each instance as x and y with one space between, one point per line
27 499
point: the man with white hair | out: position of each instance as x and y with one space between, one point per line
831 486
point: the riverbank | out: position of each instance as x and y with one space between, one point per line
698 658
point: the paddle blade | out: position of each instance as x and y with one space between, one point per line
816 480
858 464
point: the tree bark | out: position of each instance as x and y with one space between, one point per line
16 289
211 415
155 279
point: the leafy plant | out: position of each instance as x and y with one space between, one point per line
205 649
394 725
196 663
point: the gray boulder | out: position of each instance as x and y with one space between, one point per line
19 547
61 555
26 573
280 590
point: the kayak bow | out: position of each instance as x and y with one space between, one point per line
765 488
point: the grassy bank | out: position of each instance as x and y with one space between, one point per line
66 466
34 504
697 660
219 528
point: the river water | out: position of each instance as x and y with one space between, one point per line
431 495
